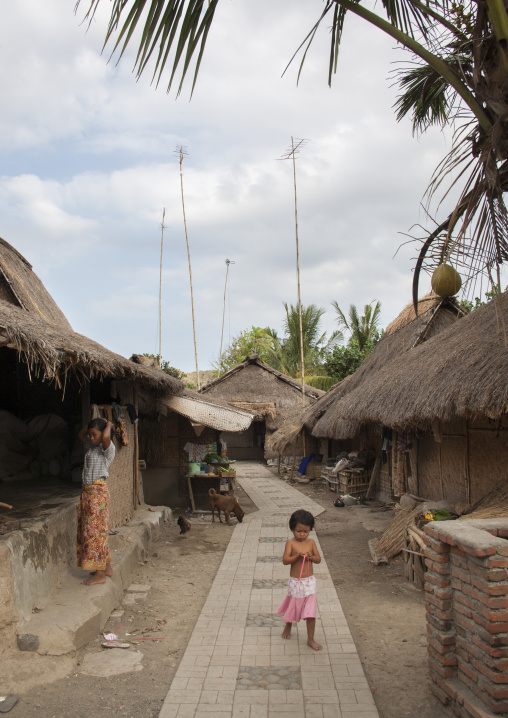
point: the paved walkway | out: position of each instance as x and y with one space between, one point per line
236 664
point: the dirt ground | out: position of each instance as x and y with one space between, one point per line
385 614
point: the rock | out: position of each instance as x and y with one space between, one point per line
28 642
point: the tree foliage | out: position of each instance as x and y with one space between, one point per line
468 305
283 353
166 366
345 360
363 329
262 341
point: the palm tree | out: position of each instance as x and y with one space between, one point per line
457 72
363 329
315 343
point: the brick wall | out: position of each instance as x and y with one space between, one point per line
467 615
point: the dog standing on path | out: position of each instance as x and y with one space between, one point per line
227 504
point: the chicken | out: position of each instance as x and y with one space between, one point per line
184 525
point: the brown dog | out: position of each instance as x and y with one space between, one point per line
228 504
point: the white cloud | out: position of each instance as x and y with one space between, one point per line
90 165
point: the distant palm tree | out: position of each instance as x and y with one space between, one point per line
315 343
363 329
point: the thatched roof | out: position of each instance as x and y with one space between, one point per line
401 337
403 334
208 412
51 351
21 287
220 385
461 373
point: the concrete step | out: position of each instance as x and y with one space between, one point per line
72 614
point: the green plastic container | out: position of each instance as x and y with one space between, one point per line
194 468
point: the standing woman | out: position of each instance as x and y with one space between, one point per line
93 515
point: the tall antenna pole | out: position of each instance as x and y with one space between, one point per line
228 262
182 153
291 153
160 290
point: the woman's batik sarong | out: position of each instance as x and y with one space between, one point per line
93 526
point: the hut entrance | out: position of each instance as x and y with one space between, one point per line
36 443
249 444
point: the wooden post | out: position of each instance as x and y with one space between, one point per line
467 467
373 478
136 452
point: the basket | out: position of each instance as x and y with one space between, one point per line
353 482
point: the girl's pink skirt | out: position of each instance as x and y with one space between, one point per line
300 603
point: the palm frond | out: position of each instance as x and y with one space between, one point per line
181 26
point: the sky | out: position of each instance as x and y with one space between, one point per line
88 165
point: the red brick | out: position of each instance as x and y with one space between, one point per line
442 568
464 600
500 574
499 693
460 587
440 625
499 640
465 679
446 687
426 540
478 552
437 557
439 647
490 601
491 589
463 610
497 562
431 531
438 546
466 623
462 654
443 671
476 711
437 580
467 646
490 614
438 602
461 575
494 676
490 626
440 695
468 670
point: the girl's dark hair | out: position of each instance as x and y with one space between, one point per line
301 517
99 424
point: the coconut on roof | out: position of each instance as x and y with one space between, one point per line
21 287
461 373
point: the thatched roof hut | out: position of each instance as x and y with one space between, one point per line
462 373
404 333
21 287
51 351
267 393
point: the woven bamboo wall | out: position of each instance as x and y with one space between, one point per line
474 455
158 441
488 456
121 480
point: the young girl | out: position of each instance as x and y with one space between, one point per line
93 515
301 553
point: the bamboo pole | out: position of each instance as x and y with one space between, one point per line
298 279
182 153
160 290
